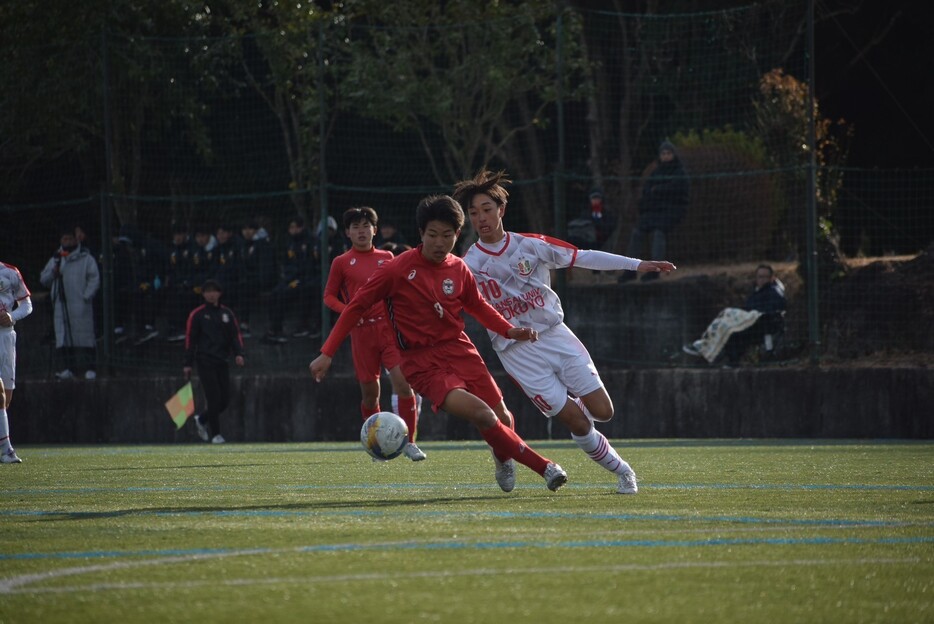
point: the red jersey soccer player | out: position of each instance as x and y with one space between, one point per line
425 290
372 342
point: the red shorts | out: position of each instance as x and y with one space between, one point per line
373 346
434 371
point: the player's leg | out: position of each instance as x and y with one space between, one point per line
505 442
405 401
208 373
369 398
364 350
407 408
505 416
7 376
593 443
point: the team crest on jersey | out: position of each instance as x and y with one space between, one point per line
353 261
225 317
412 275
447 287
525 267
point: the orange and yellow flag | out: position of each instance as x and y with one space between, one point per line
181 406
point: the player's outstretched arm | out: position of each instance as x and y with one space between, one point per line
319 367
656 266
523 333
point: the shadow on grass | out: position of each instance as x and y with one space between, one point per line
268 510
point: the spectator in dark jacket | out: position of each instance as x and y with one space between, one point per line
179 289
211 335
664 201
228 267
259 270
298 286
736 329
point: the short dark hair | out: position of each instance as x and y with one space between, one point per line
297 220
439 208
203 228
485 182
767 267
360 213
210 285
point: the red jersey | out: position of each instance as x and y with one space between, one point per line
424 301
350 271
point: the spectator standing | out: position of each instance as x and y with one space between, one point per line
665 197
15 305
211 336
149 269
228 267
259 270
297 290
179 293
73 278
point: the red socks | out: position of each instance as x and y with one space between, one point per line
409 413
507 444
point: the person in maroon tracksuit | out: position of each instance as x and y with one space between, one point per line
211 335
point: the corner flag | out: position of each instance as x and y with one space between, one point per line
181 406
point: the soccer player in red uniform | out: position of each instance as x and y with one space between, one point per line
425 290
372 342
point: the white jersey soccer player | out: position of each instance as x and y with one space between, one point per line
513 273
515 277
15 304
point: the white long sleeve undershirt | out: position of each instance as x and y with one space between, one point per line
603 261
23 309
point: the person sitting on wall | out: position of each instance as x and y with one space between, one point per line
736 329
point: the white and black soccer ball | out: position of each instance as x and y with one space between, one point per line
384 435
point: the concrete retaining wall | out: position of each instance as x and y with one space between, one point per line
692 403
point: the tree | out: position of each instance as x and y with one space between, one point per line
56 93
783 123
468 79
289 54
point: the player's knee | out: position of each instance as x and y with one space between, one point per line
602 414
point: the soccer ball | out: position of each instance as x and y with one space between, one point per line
384 435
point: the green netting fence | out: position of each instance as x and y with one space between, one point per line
263 114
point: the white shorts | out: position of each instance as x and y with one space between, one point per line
8 358
551 367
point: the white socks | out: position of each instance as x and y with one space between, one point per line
5 446
598 449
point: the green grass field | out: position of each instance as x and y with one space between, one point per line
721 531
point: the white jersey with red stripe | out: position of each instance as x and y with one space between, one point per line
13 293
516 279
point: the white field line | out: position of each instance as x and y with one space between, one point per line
17 585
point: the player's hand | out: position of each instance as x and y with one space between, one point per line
239 360
523 333
319 367
187 372
293 284
145 286
656 266
196 290
6 320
